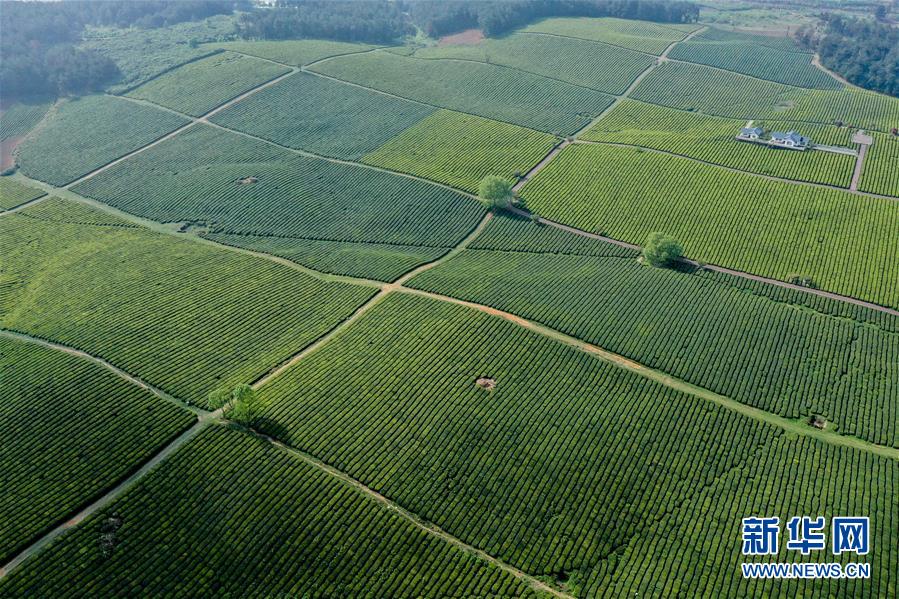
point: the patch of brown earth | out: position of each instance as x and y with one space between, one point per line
485 382
469 37
7 146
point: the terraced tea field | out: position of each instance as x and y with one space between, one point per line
21 117
325 117
87 133
598 66
739 221
555 416
459 150
13 193
293 52
756 56
642 36
173 312
256 193
415 396
712 91
708 330
486 90
712 139
71 428
198 87
332 538
880 172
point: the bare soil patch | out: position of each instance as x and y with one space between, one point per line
485 382
469 37
7 147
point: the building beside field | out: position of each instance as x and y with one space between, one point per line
790 139
751 132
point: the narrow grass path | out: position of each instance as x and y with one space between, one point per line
134 380
415 519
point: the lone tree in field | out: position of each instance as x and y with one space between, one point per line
495 192
662 250
241 404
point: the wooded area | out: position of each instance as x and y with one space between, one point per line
864 51
39 39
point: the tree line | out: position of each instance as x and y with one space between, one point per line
39 41
863 51
381 21
372 21
496 17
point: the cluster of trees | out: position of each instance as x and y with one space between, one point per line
39 40
496 17
373 21
863 51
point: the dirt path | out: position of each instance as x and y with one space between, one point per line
864 141
190 123
100 362
539 166
415 519
798 427
107 497
816 61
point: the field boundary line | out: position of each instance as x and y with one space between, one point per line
715 268
131 88
737 170
71 196
127 377
191 122
24 205
107 497
386 289
663 378
663 57
511 68
418 521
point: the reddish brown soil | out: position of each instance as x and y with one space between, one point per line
469 37
7 160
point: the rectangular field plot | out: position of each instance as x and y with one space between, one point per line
199 86
780 353
712 91
696 548
71 428
605 450
88 133
712 139
293 52
642 36
299 531
13 193
460 149
754 55
181 315
880 170
229 184
486 90
845 243
598 66
308 112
